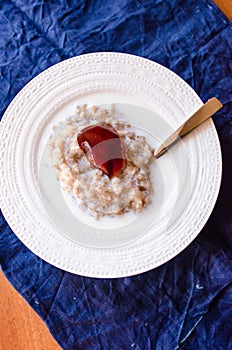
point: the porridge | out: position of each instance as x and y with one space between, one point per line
113 186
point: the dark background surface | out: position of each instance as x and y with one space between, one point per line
187 302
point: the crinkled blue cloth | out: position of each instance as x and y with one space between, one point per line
187 302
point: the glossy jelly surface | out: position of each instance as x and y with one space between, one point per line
103 148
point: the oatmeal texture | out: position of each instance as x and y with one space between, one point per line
130 191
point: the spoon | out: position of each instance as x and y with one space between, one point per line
200 116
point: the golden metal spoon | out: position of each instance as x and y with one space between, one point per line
200 116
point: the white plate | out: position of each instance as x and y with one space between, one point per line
186 179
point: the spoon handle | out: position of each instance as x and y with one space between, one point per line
201 115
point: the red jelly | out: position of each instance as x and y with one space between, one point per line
103 148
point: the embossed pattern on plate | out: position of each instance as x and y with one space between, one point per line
103 78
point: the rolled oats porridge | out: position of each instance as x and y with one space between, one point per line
99 193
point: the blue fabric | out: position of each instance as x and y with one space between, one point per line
187 302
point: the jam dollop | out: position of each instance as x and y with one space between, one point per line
103 148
